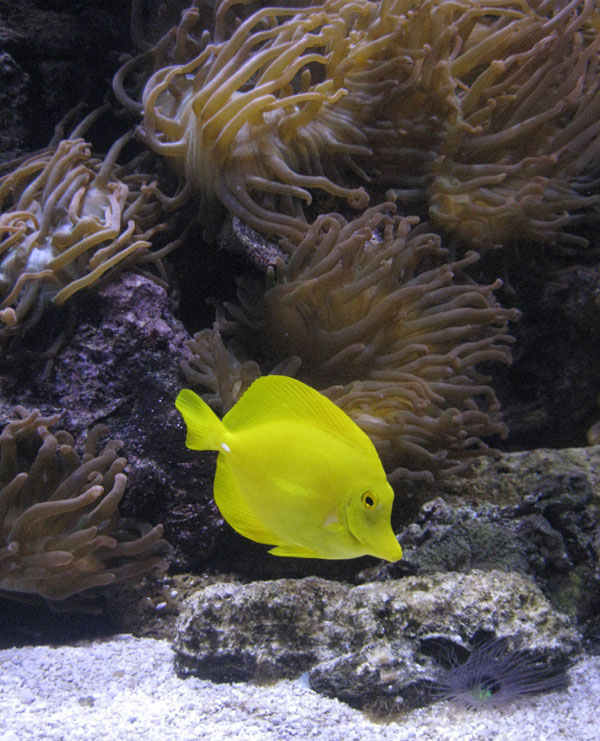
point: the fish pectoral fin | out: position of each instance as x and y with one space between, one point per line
295 551
235 510
333 524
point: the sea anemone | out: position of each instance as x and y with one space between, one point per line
519 159
69 218
295 101
373 314
60 530
491 675
484 113
261 119
213 366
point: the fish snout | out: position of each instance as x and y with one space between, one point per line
390 550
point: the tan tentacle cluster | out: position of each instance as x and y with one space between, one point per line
485 112
378 319
519 157
252 121
60 529
68 219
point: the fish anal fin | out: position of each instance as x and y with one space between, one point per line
294 551
234 508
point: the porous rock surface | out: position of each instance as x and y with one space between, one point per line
119 366
360 644
53 56
535 512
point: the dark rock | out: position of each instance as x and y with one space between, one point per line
119 367
237 237
549 395
263 630
537 513
360 644
14 82
55 55
27 620
150 607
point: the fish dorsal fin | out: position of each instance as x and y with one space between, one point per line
277 398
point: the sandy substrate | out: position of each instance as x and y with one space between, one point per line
125 688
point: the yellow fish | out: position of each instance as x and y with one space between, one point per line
294 471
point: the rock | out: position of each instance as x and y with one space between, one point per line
536 512
262 630
549 394
360 644
237 237
52 59
119 366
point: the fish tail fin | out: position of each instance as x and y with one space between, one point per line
205 431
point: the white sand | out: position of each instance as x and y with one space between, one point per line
125 688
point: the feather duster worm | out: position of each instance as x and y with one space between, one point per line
60 531
68 219
492 675
386 327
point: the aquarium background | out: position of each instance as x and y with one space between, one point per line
495 475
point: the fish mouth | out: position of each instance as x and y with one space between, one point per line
390 551
380 542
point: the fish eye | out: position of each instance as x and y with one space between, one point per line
369 499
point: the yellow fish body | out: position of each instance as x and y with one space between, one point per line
294 471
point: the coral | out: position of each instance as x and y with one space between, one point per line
60 531
67 219
383 324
